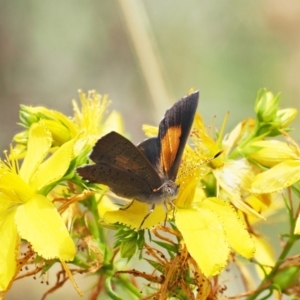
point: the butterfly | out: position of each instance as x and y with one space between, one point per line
146 172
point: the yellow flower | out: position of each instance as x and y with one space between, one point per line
61 127
93 120
90 122
210 226
25 211
233 177
282 175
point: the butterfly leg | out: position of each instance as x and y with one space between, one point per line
147 215
126 206
166 210
173 208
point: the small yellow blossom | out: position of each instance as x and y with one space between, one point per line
282 175
25 212
61 127
90 122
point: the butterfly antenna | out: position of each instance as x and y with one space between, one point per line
201 164
155 190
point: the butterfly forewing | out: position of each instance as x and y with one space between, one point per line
121 182
114 154
174 130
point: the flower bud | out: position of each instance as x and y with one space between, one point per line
266 106
287 277
128 248
21 137
60 133
286 116
27 117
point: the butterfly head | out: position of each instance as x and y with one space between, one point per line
169 190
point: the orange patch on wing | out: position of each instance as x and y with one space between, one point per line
169 147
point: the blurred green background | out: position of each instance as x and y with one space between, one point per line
226 49
146 55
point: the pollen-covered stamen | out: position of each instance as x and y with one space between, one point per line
93 107
10 163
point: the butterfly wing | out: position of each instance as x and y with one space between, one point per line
173 133
151 150
121 182
121 166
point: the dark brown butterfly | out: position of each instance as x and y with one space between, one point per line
145 172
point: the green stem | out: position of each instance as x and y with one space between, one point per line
130 287
110 291
239 149
270 277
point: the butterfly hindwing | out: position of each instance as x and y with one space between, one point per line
150 149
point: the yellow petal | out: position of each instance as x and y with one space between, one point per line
39 143
105 204
60 133
5 203
286 116
246 127
55 166
150 131
205 143
9 250
234 227
40 224
14 187
135 214
205 238
235 178
272 152
277 178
